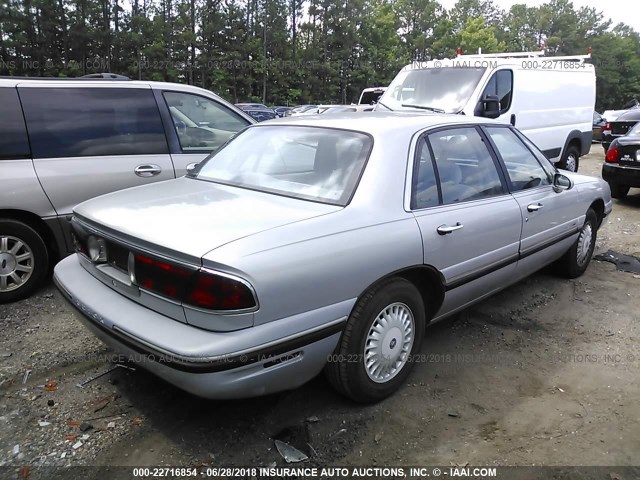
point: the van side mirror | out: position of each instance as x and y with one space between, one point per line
491 106
561 182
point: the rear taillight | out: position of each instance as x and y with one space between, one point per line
216 292
607 126
161 277
613 155
199 288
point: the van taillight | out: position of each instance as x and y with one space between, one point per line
199 288
607 126
613 155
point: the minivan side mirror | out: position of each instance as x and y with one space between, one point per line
491 106
561 182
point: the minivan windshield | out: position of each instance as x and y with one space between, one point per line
310 163
442 89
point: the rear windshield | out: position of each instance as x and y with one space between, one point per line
318 164
447 88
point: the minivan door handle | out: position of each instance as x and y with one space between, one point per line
150 170
445 229
513 119
534 207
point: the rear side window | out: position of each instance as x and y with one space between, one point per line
202 125
13 134
82 122
425 187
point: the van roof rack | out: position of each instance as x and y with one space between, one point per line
535 54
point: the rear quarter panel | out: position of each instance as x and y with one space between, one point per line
321 261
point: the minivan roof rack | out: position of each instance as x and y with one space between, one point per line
91 76
110 76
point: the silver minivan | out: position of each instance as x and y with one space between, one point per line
63 141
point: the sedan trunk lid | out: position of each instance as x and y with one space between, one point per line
186 218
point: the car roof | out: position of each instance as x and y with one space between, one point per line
375 123
102 82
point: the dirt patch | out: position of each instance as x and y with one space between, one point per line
546 372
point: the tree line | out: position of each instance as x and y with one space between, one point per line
299 51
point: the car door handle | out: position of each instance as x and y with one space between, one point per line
150 170
534 207
444 229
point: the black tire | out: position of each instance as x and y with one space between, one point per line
12 231
619 191
575 262
346 368
571 159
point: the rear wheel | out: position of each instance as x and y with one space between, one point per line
23 260
375 353
619 191
576 260
570 161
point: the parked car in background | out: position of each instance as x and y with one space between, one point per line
300 109
370 96
281 111
619 127
621 169
328 109
63 141
332 246
506 86
598 122
258 111
339 109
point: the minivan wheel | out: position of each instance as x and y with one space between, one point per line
570 161
576 260
23 260
377 347
619 191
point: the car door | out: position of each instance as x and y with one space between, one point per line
88 139
500 84
470 225
201 125
550 216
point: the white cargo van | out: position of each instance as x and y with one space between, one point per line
549 99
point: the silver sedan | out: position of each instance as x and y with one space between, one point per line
314 243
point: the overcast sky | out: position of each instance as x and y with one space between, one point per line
627 11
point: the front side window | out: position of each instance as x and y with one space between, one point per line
202 125
318 164
523 168
81 122
465 168
500 85
447 89
14 143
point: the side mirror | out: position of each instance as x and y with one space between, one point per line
192 167
561 182
491 106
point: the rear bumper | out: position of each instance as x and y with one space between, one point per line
621 175
209 364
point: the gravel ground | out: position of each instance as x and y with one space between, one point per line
545 373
